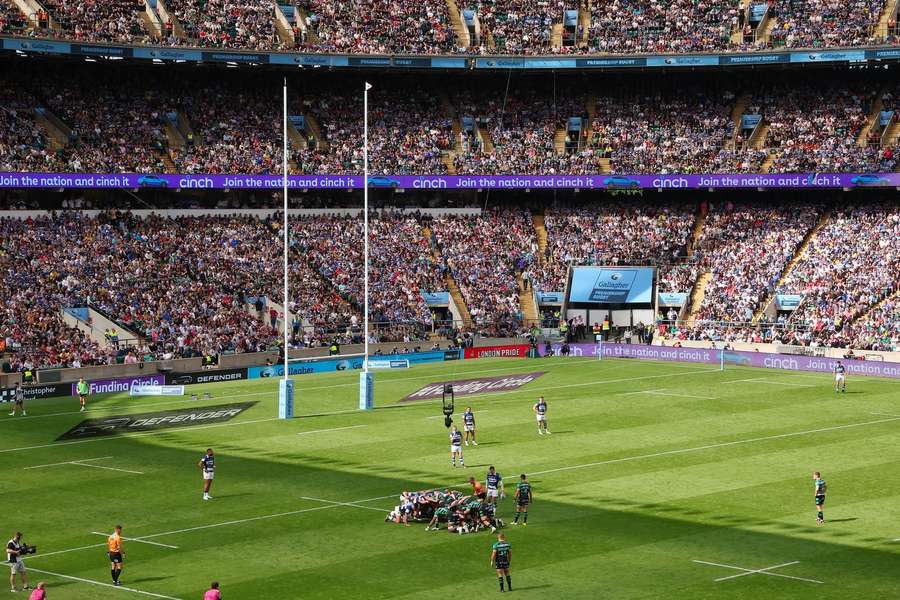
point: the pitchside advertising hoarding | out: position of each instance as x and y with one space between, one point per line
765 360
608 285
119 384
210 376
510 351
430 182
33 392
330 365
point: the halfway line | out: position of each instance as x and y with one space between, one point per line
332 429
140 541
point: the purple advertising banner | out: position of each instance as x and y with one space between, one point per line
120 384
764 360
472 182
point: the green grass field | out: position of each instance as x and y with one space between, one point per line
651 467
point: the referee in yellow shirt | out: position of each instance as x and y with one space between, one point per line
116 554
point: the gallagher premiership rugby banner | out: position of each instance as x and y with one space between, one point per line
471 182
764 360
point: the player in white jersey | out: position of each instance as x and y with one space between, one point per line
469 425
840 381
540 411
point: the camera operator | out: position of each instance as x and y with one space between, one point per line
15 549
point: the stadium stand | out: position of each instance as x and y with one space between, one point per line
225 24
380 26
850 266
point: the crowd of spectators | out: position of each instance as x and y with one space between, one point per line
519 26
746 248
484 254
650 26
241 135
380 26
116 21
669 131
522 130
815 130
850 265
615 233
825 23
515 27
226 23
23 145
11 18
237 129
129 139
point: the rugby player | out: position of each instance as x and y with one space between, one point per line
469 425
501 556
19 399
116 554
540 410
477 489
83 389
494 483
820 488
456 446
840 380
207 464
523 499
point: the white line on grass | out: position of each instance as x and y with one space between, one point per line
770 382
138 434
881 414
764 571
100 583
332 429
68 462
260 518
491 394
84 463
350 504
116 407
719 445
140 541
480 412
46 554
663 392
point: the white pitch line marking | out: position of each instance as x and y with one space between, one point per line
138 434
350 504
881 414
490 394
260 518
770 382
100 583
719 445
663 392
139 541
84 463
764 571
68 462
332 429
442 416
46 554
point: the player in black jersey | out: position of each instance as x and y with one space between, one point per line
456 447
469 425
523 499
207 464
840 380
820 488
501 556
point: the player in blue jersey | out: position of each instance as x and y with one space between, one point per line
207 464
840 381
456 446
820 488
540 411
494 484
469 425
